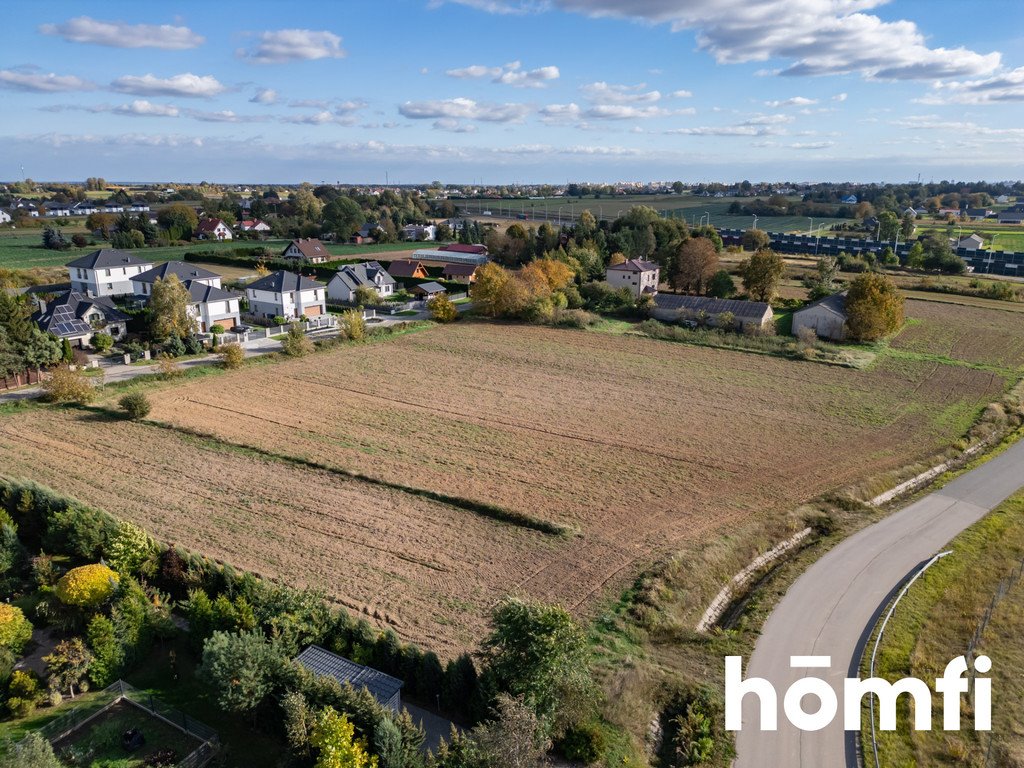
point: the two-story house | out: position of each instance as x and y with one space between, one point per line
213 229
211 305
351 277
106 272
637 275
142 284
286 294
306 249
77 317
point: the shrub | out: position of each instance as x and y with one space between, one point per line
23 693
353 325
135 405
79 241
15 629
574 318
131 549
173 346
442 309
33 751
168 367
232 355
87 585
295 342
584 744
280 320
102 342
67 386
216 329
78 531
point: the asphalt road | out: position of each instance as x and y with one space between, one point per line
832 609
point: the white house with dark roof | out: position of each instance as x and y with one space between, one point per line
142 284
106 272
77 317
286 294
637 275
826 317
213 229
211 305
306 249
971 243
351 277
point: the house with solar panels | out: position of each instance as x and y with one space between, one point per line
106 272
387 690
76 317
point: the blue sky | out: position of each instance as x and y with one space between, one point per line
513 90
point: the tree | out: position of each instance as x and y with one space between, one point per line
31 752
15 629
232 355
907 226
54 239
41 350
442 309
755 239
515 738
677 187
721 285
103 223
131 549
915 258
366 296
14 319
241 668
539 653
67 386
874 307
353 325
107 653
68 665
696 263
87 586
822 282
135 405
334 736
295 342
169 303
938 255
762 274
307 205
888 226
67 355
179 221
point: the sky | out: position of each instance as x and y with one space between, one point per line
513 91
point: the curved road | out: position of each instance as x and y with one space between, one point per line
832 609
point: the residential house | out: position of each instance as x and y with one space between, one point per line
849 200
213 229
914 212
977 214
460 273
367 233
971 243
286 294
475 249
57 210
254 225
351 277
77 317
113 207
826 317
139 206
142 284
1003 199
408 269
1014 215
637 275
84 208
387 690
5 217
306 249
950 212
106 272
419 232
439 256
429 290
211 305
671 308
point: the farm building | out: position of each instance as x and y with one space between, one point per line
407 268
439 256
460 273
306 249
76 317
826 317
429 290
106 272
670 307
477 249
286 294
637 275
387 690
351 277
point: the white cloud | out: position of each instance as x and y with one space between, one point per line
188 85
464 109
839 97
452 125
317 118
605 93
38 82
768 120
509 74
957 127
757 125
294 45
815 37
117 34
350 106
143 108
629 111
682 94
1004 87
264 96
309 103
225 116
812 145
795 101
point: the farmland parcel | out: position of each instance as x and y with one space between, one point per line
638 447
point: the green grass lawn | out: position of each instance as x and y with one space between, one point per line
1008 241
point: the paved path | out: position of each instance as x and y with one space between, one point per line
832 609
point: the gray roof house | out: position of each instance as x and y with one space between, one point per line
826 317
287 295
351 277
972 242
106 272
142 284
671 307
76 317
385 689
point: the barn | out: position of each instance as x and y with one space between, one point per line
826 317
387 690
671 307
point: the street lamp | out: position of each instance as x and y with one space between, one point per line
702 219
755 220
810 232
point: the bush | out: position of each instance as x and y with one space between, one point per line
102 342
232 355
295 342
280 320
78 531
442 309
135 405
15 629
173 346
23 693
217 329
131 549
353 325
168 367
87 586
79 241
574 318
67 386
584 744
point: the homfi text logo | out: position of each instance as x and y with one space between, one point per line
952 685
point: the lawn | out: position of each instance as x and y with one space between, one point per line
935 622
1008 241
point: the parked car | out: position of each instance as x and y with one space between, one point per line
242 329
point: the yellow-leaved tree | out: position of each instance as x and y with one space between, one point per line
15 629
87 585
334 736
874 307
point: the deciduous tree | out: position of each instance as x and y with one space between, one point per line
874 307
696 263
762 273
169 302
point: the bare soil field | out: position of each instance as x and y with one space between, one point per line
430 571
972 334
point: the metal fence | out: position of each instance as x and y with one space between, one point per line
66 724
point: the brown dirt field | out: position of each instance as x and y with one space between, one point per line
430 571
638 444
974 334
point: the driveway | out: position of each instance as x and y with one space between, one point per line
832 609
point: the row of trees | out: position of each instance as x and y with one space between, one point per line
22 344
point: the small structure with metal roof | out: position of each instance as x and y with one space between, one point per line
385 689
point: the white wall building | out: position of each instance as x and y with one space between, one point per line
106 272
286 294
